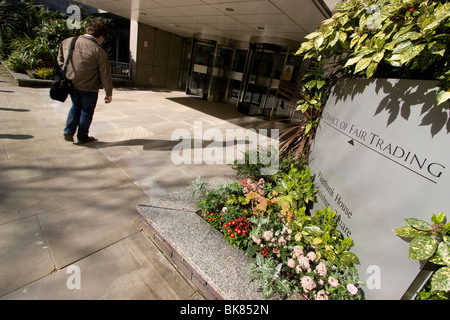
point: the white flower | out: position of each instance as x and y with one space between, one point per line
256 240
268 235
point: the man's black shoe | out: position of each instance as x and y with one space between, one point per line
88 140
68 137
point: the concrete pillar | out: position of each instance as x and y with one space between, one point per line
134 35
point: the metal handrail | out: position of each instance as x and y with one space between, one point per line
120 70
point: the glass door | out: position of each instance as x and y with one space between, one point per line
236 74
288 88
258 89
222 64
201 68
272 82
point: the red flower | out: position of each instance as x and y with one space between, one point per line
232 235
265 252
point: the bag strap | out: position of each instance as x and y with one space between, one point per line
72 46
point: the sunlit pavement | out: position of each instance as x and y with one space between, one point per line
68 212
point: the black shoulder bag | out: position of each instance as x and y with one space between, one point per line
60 87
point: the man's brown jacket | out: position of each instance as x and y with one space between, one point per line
89 67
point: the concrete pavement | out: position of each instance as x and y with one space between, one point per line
68 213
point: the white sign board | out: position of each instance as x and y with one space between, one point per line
382 154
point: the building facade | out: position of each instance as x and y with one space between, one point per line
241 52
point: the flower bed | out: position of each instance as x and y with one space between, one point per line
292 251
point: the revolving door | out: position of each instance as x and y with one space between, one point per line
201 68
211 61
271 82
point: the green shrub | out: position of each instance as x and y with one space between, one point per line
373 38
248 167
17 63
44 73
430 242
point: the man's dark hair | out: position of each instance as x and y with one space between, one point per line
96 28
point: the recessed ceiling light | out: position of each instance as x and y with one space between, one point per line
229 9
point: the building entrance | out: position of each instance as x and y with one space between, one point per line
272 81
262 78
202 58
211 66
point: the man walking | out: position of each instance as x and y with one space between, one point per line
89 71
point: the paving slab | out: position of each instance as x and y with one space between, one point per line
24 254
86 226
132 269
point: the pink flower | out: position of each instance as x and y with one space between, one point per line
311 256
333 282
291 263
352 289
321 295
321 269
304 262
298 251
308 283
